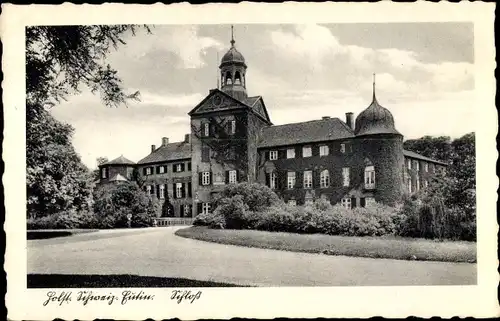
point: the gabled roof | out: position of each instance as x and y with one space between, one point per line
119 161
305 132
118 178
411 154
169 152
256 104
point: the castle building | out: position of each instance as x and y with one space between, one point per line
351 162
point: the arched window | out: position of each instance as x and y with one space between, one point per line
229 80
324 179
370 177
237 78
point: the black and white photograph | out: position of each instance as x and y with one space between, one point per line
182 157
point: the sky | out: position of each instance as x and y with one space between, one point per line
424 76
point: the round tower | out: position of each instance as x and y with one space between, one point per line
233 72
381 146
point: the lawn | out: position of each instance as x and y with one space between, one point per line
388 247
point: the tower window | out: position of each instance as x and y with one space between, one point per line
237 78
345 176
229 80
369 177
324 179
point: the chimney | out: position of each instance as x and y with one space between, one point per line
325 117
153 148
349 120
164 141
187 138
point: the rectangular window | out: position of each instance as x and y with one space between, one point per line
162 169
162 191
417 166
308 179
205 154
409 185
290 153
205 178
292 202
409 164
273 155
178 190
426 167
206 129
148 189
418 183
342 148
346 176
426 183
346 202
148 170
205 208
178 168
323 150
233 127
433 167
306 151
369 177
369 201
291 180
104 173
187 210
232 177
272 180
324 179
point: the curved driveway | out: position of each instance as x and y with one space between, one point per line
159 252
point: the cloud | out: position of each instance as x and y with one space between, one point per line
171 100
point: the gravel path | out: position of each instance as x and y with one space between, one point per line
158 252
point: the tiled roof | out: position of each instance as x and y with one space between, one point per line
306 132
169 152
250 101
411 154
117 178
119 161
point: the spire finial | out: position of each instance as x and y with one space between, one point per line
374 97
232 36
217 71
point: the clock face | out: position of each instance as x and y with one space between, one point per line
217 100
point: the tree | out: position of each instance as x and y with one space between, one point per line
438 148
59 61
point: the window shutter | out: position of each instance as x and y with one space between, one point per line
158 191
362 202
198 208
299 179
315 181
353 202
200 181
237 176
282 179
268 179
183 190
227 177
298 151
315 150
183 167
189 189
282 154
181 208
211 177
266 155
174 190
144 171
189 166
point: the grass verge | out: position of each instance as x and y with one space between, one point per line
114 281
388 247
48 234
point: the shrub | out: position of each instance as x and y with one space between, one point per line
256 196
234 210
70 219
212 220
114 202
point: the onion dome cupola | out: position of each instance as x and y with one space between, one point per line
233 72
375 119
